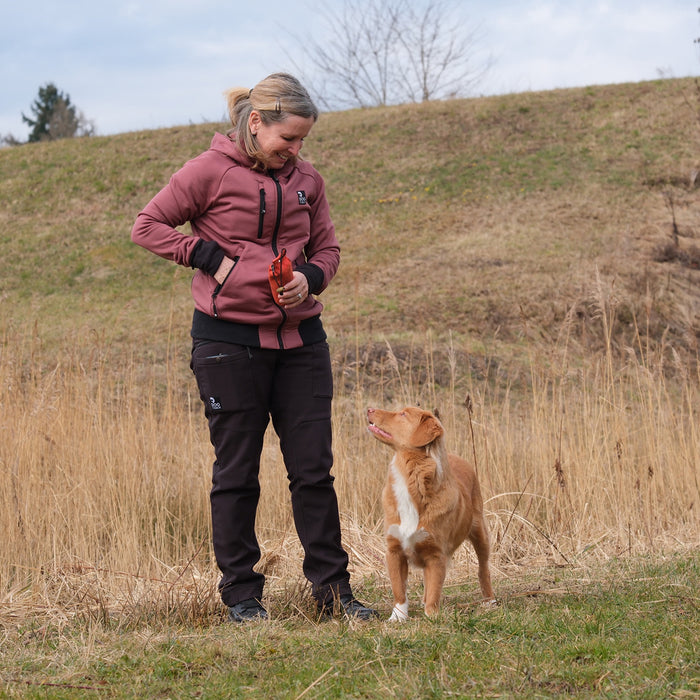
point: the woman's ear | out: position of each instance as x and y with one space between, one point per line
254 122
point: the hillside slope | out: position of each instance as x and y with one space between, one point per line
537 217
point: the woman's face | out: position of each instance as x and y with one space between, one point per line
280 141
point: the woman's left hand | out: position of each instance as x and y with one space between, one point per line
295 292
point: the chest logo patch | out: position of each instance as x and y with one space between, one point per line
302 196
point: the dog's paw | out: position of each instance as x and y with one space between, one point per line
399 613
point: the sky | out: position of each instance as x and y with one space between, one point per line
129 65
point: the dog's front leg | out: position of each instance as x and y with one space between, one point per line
433 580
397 566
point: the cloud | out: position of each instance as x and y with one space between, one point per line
132 64
129 65
551 43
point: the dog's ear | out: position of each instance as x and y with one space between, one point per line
429 429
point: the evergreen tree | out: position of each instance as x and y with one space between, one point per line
54 116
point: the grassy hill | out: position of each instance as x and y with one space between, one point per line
527 263
496 222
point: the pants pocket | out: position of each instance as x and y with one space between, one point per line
224 377
322 375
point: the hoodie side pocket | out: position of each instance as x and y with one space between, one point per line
219 287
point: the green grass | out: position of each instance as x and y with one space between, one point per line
629 629
508 235
553 186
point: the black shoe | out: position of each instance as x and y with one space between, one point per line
347 605
248 610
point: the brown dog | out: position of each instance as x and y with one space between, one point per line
432 503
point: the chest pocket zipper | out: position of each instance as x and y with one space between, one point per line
261 215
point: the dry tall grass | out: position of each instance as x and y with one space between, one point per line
583 427
105 471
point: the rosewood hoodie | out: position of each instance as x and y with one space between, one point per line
250 217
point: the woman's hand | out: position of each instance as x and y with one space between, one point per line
222 273
295 292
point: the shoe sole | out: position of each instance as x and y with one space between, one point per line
242 620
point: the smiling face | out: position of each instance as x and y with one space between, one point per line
280 141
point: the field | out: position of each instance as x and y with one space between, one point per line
528 265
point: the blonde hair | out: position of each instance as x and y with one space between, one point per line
274 98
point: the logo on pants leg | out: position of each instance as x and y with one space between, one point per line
214 403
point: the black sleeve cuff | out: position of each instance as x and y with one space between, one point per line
314 276
207 256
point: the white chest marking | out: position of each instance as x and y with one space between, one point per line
406 532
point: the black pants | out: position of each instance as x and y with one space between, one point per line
242 388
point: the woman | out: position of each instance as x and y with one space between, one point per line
259 348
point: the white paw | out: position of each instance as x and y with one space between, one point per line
399 613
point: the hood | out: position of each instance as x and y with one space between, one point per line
225 145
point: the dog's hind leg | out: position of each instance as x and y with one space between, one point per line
479 537
397 566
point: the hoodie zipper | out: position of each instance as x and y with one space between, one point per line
278 221
275 232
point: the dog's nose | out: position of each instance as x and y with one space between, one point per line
370 411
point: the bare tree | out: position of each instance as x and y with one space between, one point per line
438 53
63 122
378 52
67 122
352 63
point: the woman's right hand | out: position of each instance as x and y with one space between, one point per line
222 273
